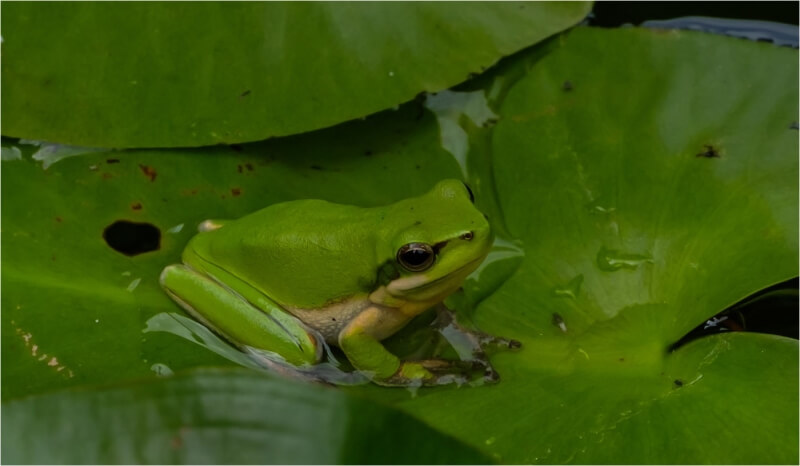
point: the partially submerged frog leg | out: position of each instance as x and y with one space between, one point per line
365 351
254 321
470 344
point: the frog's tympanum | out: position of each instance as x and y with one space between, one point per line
285 277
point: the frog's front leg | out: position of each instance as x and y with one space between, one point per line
365 351
252 320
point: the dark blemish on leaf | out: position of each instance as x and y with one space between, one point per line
567 86
236 191
489 122
245 93
176 442
239 168
110 161
236 147
107 176
367 153
148 172
417 223
222 196
333 319
709 152
558 321
385 167
248 166
132 238
315 167
53 258
417 167
58 219
794 125
678 383
136 206
621 359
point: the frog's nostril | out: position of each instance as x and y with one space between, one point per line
468 236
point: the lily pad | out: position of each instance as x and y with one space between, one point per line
220 417
644 209
649 189
193 74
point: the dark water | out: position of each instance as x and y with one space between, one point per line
613 14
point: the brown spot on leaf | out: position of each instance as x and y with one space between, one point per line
239 168
236 192
58 219
567 86
709 152
249 167
110 161
136 206
245 93
107 176
148 172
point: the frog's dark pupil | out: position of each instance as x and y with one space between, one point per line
416 257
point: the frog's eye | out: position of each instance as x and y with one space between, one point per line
415 257
471 196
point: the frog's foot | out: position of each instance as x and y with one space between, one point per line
474 341
432 372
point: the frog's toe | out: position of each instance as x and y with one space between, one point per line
489 341
446 366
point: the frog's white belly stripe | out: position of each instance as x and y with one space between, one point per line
330 320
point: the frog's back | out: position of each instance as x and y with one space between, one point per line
304 253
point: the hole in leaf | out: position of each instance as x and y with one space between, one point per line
131 238
772 310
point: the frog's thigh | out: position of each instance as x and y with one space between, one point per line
267 327
363 347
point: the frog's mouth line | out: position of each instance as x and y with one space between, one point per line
409 284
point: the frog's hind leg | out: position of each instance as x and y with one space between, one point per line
253 321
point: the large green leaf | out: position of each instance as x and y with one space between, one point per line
193 74
219 417
631 239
